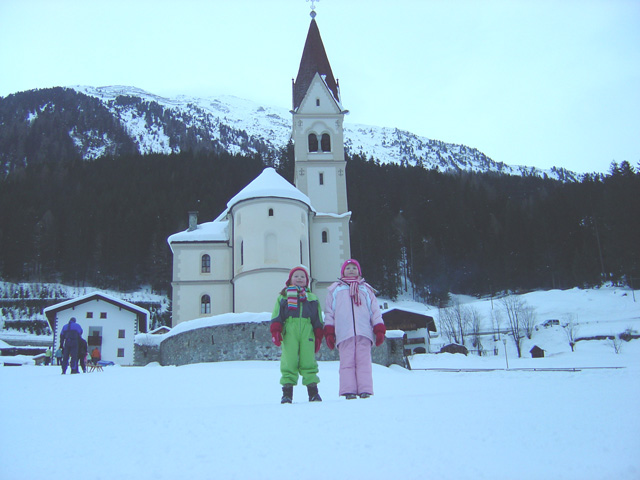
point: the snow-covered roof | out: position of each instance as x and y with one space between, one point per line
142 325
269 184
90 296
215 231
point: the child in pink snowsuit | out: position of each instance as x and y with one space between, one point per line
353 322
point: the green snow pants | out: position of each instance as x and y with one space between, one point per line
298 353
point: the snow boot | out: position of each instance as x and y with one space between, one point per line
287 393
365 395
350 396
314 396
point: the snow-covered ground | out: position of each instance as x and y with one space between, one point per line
224 420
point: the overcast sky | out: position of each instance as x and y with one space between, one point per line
528 82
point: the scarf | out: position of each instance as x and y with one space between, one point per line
293 294
354 290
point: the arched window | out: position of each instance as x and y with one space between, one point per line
206 264
205 304
326 142
313 142
271 212
325 236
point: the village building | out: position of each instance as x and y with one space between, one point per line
239 261
108 323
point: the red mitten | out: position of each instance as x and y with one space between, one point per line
379 330
276 333
330 336
318 333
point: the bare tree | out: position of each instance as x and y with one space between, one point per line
516 311
496 323
454 322
571 330
616 343
475 319
528 319
447 324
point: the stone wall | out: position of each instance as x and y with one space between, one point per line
242 341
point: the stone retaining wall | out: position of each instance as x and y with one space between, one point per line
242 341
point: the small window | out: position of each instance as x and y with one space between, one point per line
89 314
317 102
313 142
206 264
205 304
103 314
326 142
120 333
325 236
242 253
321 178
120 352
271 212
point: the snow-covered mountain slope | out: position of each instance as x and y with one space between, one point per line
168 125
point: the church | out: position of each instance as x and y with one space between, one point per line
240 261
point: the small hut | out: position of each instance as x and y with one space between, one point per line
536 352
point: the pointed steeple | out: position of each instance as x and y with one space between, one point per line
314 60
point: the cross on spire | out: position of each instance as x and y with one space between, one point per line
313 8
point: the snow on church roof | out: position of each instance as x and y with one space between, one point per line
268 184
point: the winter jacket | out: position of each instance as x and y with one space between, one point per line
310 309
70 335
348 318
82 348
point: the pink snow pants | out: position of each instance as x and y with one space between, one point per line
355 366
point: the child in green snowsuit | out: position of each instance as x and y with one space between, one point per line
296 324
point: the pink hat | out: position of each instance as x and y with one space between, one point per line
294 269
352 262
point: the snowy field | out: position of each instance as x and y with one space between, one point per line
224 420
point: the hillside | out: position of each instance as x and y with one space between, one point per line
90 122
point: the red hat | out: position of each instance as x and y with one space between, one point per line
352 262
294 269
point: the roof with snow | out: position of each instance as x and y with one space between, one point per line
269 184
314 60
405 319
141 313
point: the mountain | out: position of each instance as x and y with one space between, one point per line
89 122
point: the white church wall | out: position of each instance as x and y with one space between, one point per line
327 257
190 282
273 233
271 238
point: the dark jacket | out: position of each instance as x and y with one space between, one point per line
82 348
70 335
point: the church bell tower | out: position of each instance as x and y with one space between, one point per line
320 172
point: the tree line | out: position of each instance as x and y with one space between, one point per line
105 223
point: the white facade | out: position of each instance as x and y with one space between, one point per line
107 323
241 260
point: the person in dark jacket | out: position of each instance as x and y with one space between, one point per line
82 354
70 341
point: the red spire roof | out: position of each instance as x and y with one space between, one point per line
314 60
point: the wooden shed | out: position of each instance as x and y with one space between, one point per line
536 352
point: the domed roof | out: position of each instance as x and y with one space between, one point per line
269 184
